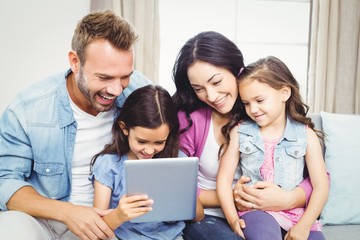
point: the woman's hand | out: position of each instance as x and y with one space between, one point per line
266 196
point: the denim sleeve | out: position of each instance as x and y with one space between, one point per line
181 154
15 153
106 169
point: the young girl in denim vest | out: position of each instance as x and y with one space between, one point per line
146 127
274 144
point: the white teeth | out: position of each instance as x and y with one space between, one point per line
220 101
107 98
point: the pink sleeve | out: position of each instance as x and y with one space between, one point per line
187 144
307 187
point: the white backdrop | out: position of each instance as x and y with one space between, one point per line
35 37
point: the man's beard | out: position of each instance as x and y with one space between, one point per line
81 83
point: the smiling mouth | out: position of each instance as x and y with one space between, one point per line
259 116
106 98
146 156
221 101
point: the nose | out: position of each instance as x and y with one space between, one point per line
115 87
211 94
253 108
149 150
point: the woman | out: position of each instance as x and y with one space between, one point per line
207 98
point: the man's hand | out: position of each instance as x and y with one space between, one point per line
86 222
262 196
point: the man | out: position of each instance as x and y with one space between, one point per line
49 134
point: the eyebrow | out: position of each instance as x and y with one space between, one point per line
208 79
145 140
129 74
103 75
111 76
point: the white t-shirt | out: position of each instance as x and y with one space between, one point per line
208 168
93 133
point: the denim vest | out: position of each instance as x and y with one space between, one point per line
288 156
37 136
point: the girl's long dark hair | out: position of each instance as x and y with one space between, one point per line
149 107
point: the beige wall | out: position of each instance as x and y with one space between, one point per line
35 39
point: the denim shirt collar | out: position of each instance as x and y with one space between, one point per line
66 116
291 130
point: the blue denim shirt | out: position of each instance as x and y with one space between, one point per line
289 153
37 135
109 170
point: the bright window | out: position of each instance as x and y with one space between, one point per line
258 27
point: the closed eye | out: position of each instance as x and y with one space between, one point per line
197 90
217 83
104 77
160 142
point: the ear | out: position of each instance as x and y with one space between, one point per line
74 61
286 93
123 128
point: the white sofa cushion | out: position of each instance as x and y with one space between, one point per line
342 157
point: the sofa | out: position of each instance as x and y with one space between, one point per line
341 146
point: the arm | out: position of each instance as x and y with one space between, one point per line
16 166
306 186
128 208
228 164
199 211
319 180
209 199
266 196
84 222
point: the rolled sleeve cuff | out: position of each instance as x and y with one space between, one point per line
7 189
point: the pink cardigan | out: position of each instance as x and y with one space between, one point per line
193 140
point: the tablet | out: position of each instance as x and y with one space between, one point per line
170 182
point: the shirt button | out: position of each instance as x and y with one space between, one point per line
296 152
47 170
247 149
278 159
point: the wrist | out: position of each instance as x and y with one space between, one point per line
114 219
65 208
233 222
296 198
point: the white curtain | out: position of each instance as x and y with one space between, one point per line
144 16
334 62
